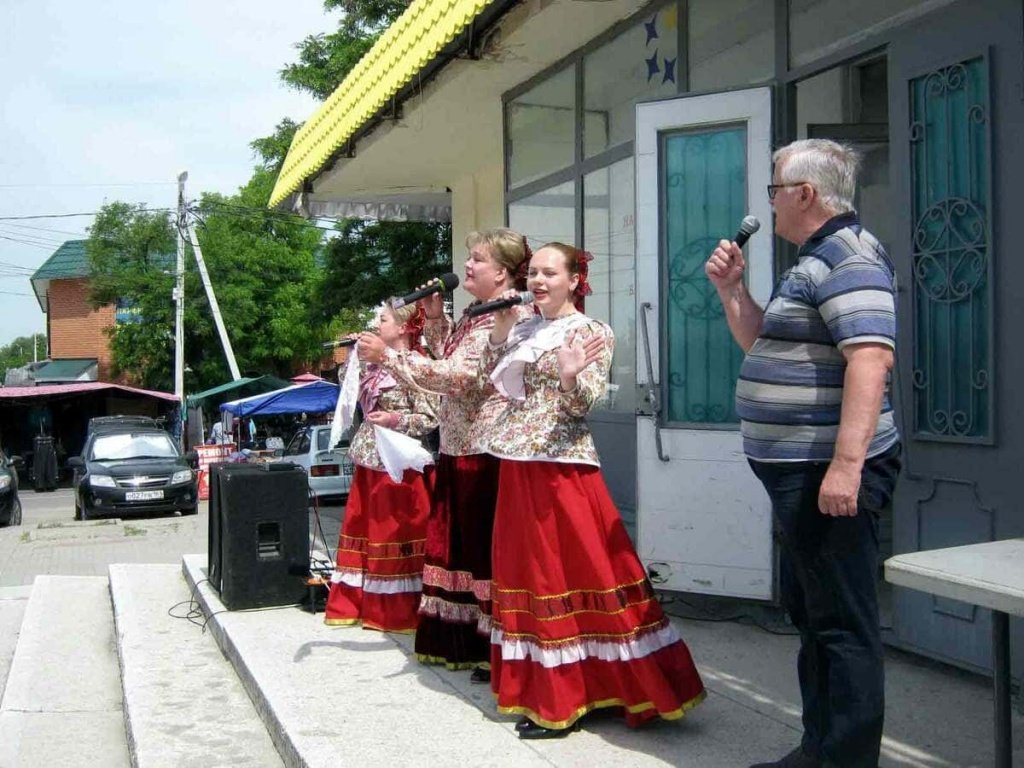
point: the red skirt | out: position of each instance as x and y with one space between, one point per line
378 578
455 612
576 624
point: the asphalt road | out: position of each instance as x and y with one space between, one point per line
50 541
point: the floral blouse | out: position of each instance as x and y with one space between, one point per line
470 402
417 412
543 423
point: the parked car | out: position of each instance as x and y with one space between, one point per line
10 504
329 471
120 423
133 470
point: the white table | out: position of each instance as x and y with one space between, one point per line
990 575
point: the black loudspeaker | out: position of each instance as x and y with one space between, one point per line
259 534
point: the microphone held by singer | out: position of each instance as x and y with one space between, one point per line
524 297
748 226
339 343
446 282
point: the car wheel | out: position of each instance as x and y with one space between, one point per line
192 511
16 513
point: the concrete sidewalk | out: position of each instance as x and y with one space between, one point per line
332 693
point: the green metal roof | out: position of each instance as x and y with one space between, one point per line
239 388
64 370
69 260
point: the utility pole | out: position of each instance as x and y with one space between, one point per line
225 342
179 307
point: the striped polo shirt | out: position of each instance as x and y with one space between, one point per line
841 291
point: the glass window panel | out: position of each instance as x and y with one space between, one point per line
952 253
608 235
704 194
540 128
732 43
641 63
820 27
546 216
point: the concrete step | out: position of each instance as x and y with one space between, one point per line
183 704
344 696
62 702
13 601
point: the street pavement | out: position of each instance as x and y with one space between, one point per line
937 716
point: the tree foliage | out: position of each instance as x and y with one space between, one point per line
18 352
325 59
371 260
261 265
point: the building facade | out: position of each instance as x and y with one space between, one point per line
643 133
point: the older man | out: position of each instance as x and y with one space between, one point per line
819 433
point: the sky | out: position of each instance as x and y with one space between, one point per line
111 100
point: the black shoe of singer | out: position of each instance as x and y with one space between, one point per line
480 675
530 730
795 759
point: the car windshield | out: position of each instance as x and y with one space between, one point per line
133 446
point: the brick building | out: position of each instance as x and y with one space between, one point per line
79 346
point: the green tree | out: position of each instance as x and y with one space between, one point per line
261 264
325 59
131 253
19 352
369 261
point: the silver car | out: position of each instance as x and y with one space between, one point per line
329 471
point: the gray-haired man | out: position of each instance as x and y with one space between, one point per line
819 433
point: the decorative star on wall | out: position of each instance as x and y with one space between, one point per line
669 75
652 66
652 29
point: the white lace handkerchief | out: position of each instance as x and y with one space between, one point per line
348 396
400 452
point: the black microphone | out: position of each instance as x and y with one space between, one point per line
448 282
748 226
339 343
524 297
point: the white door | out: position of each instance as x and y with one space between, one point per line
703 519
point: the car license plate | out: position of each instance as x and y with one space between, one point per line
143 495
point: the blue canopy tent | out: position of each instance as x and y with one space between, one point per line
314 397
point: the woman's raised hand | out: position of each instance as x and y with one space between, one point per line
370 347
433 305
576 354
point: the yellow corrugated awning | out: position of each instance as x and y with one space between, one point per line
407 46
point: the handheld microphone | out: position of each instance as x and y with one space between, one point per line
339 343
524 297
748 226
447 282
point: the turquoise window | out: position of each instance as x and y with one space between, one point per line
951 253
703 197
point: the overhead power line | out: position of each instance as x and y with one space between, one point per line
66 215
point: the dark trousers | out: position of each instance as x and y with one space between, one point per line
829 567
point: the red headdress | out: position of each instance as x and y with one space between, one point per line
519 279
583 289
414 328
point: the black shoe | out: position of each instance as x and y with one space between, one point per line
530 730
480 675
795 759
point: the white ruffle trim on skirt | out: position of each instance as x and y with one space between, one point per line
573 652
378 586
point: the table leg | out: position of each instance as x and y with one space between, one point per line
1001 687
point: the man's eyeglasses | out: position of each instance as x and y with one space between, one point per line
774 188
